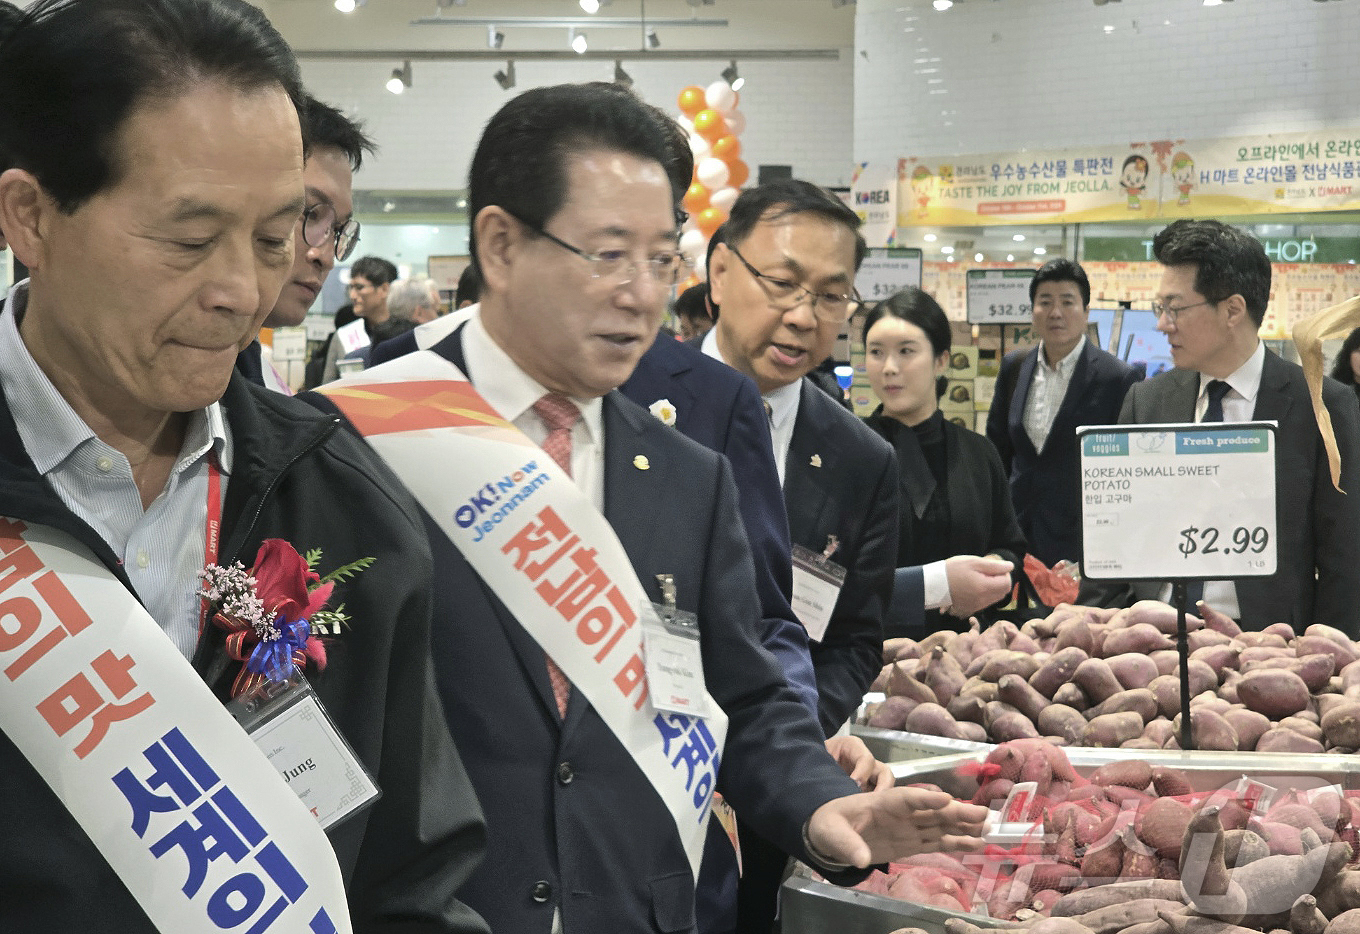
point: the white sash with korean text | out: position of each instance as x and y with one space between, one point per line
549 555
187 811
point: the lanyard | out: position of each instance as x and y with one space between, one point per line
212 528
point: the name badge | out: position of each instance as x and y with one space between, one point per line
352 336
291 727
671 654
817 582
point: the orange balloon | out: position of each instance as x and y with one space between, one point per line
738 173
709 220
692 100
710 125
689 283
696 199
727 148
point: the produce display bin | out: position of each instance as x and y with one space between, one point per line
898 746
814 907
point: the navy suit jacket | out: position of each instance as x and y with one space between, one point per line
1046 485
840 479
1317 528
721 409
572 822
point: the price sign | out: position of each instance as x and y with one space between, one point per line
1160 502
999 296
887 272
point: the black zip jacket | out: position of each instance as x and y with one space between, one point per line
298 478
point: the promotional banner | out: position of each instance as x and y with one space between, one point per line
1266 174
873 195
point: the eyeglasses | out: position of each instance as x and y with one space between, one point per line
831 307
319 226
666 267
1172 313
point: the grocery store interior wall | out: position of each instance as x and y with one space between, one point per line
1006 75
798 113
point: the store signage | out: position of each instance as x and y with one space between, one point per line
1194 501
887 272
1163 179
999 296
873 196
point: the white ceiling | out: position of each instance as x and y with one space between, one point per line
386 25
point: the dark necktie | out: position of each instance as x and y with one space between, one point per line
1213 412
1217 389
558 414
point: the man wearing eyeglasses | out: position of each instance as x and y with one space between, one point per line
326 234
1210 304
784 280
574 233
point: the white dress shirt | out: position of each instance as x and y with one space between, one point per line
512 393
1239 405
161 547
1047 391
783 403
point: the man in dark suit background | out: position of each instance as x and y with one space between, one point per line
1211 301
574 234
1042 395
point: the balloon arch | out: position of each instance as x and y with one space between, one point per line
713 121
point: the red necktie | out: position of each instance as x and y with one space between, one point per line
558 414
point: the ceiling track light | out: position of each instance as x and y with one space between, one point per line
400 80
577 41
942 5
653 42
349 6
732 77
506 78
590 6
621 77
494 38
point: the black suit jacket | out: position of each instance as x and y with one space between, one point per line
981 520
1317 528
571 820
841 479
1046 485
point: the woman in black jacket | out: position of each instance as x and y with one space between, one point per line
954 495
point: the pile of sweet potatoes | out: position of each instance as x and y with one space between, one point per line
1094 677
1132 850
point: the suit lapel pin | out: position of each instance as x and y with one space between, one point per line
641 462
816 460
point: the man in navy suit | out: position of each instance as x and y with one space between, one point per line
1042 395
574 234
783 278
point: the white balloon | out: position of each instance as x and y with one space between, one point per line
686 124
723 199
712 173
693 243
700 147
701 263
720 97
736 122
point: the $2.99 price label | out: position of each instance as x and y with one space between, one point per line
1211 541
1188 501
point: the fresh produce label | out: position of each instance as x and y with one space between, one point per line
1190 501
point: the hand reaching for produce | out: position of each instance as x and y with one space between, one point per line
976 583
864 829
859 763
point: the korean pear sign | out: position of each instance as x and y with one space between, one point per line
1192 501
